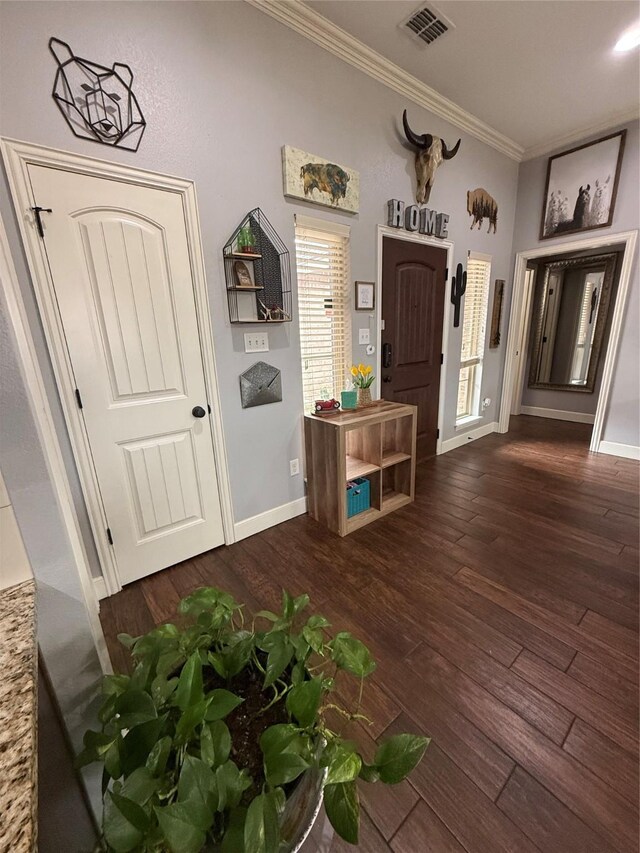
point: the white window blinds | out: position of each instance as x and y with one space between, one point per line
474 325
322 261
476 300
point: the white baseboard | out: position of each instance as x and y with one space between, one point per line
558 414
250 526
627 451
466 437
100 587
242 529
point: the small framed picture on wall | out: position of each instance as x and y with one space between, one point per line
365 295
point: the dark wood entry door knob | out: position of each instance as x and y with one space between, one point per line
198 412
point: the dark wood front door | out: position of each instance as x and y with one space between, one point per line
413 290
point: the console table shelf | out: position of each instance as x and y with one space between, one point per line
378 443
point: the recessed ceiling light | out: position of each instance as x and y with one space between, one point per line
629 40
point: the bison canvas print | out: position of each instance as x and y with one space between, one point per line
319 181
581 187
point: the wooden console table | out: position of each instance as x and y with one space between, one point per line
378 443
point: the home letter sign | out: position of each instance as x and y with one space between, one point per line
416 218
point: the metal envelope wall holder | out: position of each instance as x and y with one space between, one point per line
259 385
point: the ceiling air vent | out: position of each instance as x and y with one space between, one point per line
427 24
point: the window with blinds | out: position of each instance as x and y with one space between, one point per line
474 327
322 261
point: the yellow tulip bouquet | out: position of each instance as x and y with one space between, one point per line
362 375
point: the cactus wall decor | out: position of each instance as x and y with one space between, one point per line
458 287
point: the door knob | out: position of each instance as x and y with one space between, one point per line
198 412
386 379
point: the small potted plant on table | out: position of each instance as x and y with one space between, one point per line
217 741
363 379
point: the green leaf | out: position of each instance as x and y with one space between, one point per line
233 840
344 764
141 673
196 785
215 743
281 737
179 830
189 690
343 809
114 684
162 688
230 783
220 703
267 614
369 773
352 655
138 743
278 660
124 823
397 756
318 621
314 638
261 830
191 718
157 759
112 763
139 786
303 701
300 603
298 672
127 640
287 605
283 767
135 707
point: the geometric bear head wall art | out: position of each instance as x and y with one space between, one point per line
97 102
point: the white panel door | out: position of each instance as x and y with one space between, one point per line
120 265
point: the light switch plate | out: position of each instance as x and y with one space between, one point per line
256 342
363 336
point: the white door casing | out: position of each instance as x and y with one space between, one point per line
138 352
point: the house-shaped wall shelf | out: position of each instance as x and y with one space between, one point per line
257 273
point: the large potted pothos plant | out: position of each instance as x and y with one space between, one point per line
219 740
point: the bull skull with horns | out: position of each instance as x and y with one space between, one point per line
430 152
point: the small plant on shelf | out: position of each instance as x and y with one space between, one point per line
363 379
220 739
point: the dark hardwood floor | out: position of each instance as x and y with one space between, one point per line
502 607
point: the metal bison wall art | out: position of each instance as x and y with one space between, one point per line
430 152
317 180
482 206
97 102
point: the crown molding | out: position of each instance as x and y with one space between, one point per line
312 25
612 121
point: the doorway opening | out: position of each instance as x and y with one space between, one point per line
412 275
592 275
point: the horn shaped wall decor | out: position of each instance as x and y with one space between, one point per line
97 102
458 287
430 152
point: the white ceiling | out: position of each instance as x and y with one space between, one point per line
534 70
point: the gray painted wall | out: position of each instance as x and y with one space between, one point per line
223 87
622 422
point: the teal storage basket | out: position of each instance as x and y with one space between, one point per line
358 496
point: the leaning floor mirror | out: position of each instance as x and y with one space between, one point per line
569 320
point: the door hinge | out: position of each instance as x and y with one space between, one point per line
441 358
38 211
446 273
109 536
78 399
437 433
209 407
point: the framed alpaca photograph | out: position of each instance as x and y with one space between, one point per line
581 188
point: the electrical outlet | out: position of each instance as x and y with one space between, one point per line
256 342
486 402
363 336
294 467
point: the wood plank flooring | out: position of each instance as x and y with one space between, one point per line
502 607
